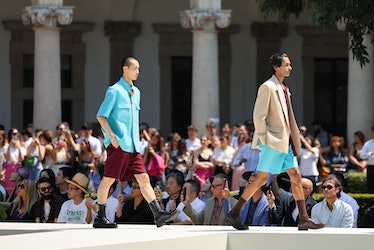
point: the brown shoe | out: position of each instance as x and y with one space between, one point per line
235 222
309 224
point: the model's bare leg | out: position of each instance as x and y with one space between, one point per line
103 189
161 217
145 187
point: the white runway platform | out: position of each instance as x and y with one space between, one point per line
62 236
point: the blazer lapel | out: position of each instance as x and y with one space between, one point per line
282 100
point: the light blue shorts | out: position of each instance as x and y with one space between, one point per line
274 161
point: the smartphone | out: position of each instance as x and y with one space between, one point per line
184 193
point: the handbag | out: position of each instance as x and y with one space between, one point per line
156 166
30 161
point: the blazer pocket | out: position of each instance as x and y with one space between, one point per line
274 129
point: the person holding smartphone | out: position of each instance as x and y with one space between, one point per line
189 196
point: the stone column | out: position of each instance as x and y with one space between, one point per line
203 17
360 94
46 15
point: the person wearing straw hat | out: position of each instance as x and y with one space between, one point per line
75 210
118 116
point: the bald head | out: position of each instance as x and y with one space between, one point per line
307 186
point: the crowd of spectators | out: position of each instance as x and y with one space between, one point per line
52 176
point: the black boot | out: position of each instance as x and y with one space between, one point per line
161 217
101 221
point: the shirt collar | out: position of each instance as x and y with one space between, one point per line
125 84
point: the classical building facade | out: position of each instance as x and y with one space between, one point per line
200 59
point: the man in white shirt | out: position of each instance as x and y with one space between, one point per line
332 211
189 196
367 153
193 143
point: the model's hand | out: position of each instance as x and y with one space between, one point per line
113 141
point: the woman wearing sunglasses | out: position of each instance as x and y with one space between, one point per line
331 211
22 208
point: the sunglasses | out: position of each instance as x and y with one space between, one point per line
135 187
43 189
21 186
329 187
71 188
214 186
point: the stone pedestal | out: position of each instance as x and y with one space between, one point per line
202 18
360 94
46 15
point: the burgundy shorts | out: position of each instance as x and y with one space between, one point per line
123 165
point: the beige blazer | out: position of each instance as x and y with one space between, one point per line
273 126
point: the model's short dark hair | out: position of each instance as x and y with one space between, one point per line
127 61
276 60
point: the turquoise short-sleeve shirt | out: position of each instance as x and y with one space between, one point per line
122 112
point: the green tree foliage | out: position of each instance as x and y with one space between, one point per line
357 15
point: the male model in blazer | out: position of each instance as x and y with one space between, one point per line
277 136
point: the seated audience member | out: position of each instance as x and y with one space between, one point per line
19 174
49 204
193 143
336 157
247 156
22 209
331 211
255 211
205 192
287 213
173 184
111 204
189 196
48 173
202 164
75 210
349 200
356 164
367 154
216 207
62 187
222 158
135 210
